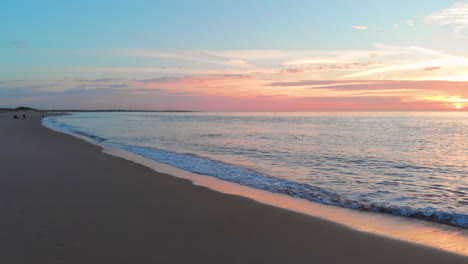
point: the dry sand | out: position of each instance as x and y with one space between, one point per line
64 201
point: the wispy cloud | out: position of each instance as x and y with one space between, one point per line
17 44
383 62
267 61
414 63
204 84
205 57
77 88
161 80
409 22
313 61
203 78
428 64
406 91
353 99
318 83
455 15
106 80
361 27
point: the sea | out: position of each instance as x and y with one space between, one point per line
407 164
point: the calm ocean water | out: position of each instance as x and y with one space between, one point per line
407 164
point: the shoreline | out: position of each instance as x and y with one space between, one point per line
436 235
113 210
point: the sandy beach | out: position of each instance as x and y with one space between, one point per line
64 201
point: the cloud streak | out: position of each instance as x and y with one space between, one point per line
409 22
18 44
423 65
360 27
455 15
382 87
375 63
204 57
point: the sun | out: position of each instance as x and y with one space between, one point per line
458 106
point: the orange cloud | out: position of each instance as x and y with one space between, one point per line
432 68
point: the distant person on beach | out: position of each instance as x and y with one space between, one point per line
15 117
24 116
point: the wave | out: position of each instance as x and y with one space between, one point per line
251 178
52 122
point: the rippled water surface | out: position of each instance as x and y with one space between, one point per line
409 164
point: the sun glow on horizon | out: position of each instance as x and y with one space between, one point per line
455 102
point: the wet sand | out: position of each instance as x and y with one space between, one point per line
64 201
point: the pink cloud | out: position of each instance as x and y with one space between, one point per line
211 84
194 80
360 27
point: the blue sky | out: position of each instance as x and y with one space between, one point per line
209 24
62 41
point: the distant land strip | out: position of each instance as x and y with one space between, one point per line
24 108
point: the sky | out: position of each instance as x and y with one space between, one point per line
256 55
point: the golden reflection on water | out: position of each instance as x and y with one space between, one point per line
435 235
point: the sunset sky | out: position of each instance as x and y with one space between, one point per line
256 55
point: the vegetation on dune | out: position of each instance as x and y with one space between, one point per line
21 108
